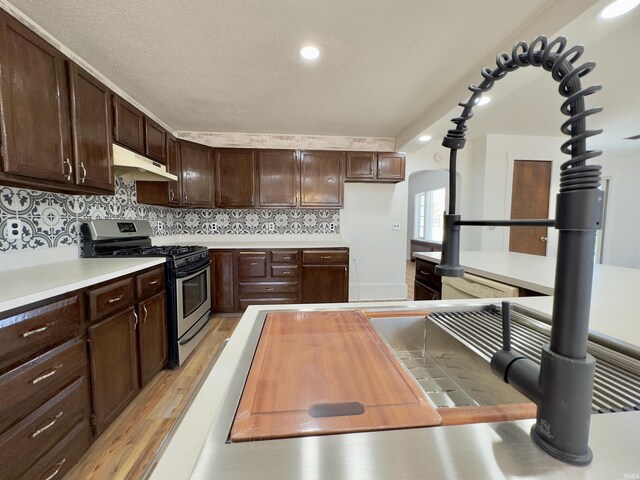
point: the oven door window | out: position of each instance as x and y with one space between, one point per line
194 293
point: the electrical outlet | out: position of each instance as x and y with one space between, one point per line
214 227
332 227
160 226
395 226
14 227
271 227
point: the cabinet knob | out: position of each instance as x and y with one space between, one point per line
544 239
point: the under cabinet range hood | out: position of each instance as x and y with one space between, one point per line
131 165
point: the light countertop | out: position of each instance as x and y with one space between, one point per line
23 286
270 244
615 298
198 448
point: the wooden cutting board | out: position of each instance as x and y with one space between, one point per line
316 373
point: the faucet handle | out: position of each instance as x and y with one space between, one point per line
506 326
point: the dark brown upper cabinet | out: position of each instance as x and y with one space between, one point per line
155 141
235 178
361 166
91 127
174 189
197 174
128 125
278 178
322 179
375 167
391 167
36 138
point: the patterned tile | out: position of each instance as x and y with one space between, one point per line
53 219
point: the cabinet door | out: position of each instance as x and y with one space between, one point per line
114 366
174 189
152 337
128 125
391 167
278 178
361 166
325 283
235 174
223 297
322 179
155 141
35 106
91 125
197 174
423 292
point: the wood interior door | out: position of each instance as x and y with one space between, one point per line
530 199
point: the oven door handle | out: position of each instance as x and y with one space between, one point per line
191 271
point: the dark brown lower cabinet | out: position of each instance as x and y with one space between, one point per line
428 285
152 337
223 296
423 292
114 366
325 283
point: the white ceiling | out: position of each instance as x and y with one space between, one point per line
388 68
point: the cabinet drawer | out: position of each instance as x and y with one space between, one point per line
252 265
110 298
424 292
37 433
59 460
25 388
290 271
285 256
149 283
26 334
245 302
325 256
426 274
268 288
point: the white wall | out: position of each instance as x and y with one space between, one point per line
622 228
493 159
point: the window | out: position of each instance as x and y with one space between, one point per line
429 215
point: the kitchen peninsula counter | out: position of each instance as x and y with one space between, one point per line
198 448
615 298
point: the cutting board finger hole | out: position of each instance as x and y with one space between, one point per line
336 409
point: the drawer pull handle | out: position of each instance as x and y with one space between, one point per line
36 330
59 465
285 273
253 264
47 375
154 282
286 258
325 257
116 299
47 426
270 289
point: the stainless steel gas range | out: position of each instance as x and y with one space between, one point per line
188 277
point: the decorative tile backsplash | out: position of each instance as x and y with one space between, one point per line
53 219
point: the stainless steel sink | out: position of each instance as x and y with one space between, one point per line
449 372
448 353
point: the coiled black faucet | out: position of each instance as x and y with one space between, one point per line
562 386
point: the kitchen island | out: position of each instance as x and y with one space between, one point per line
615 301
198 448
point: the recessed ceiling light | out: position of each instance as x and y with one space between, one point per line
619 7
424 138
310 53
484 100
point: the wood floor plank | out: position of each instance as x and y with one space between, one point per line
128 446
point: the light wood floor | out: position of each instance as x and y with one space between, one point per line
411 275
127 447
